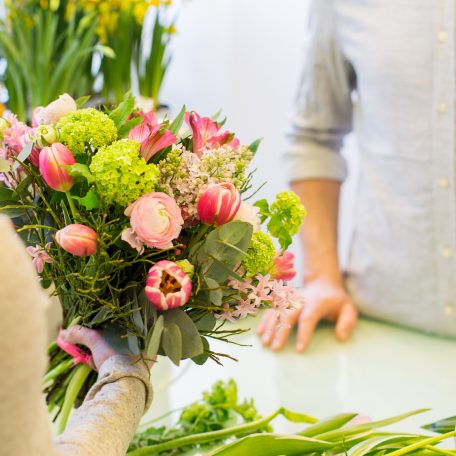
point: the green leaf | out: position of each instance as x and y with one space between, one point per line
178 121
80 102
201 359
263 205
295 417
155 337
125 129
117 339
215 292
5 165
255 145
329 424
90 201
80 170
442 426
272 445
192 344
23 155
120 115
106 51
172 343
6 194
369 445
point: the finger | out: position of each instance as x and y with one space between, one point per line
346 321
264 323
307 323
269 330
283 331
82 336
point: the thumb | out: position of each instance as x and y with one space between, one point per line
79 335
346 321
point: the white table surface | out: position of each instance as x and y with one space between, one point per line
382 371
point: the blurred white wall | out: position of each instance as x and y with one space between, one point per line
244 56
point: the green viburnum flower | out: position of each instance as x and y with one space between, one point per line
86 127
260 254
288 209
121 174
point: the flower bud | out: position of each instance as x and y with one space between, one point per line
219 204
45 135
79 240
168 286
283 268
52 162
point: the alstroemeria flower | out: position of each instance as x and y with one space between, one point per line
40 256
153 136
168 286
206 133
284 268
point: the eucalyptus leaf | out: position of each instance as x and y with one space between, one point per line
116 338
191 343
201 359
155 337
172 343
215 291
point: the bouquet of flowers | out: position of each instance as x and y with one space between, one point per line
143 229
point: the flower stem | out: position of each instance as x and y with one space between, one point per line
60 369
422 443
72 206
206 436
76 383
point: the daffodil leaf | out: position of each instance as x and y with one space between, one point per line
178 121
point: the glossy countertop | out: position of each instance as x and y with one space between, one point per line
382 371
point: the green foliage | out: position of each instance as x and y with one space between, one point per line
260 254
121 174
86 130
442 426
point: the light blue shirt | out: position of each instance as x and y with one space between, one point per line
386 69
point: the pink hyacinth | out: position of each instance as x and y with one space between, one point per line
219 204
168 286
226 315
152 136
40 256
16 137
283 268
206 133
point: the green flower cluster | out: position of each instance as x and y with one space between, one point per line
260 254
86 127
121 174
226 164
288 209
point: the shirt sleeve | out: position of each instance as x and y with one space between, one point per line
105 422
323 111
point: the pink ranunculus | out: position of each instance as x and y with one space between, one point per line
206 133
52 161
40 256
152 136
54 111
155 219
168 286
283 268
219 204
79 240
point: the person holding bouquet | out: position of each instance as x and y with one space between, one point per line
386 71
106 421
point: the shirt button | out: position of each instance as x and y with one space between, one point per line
442 108
442 36
444 182
447 252
448 309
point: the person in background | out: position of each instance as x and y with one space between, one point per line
385 70
106 421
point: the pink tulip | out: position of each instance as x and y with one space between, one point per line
52 160
219 204
155 219
79 240
206 133
167 286
152 136
283 268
